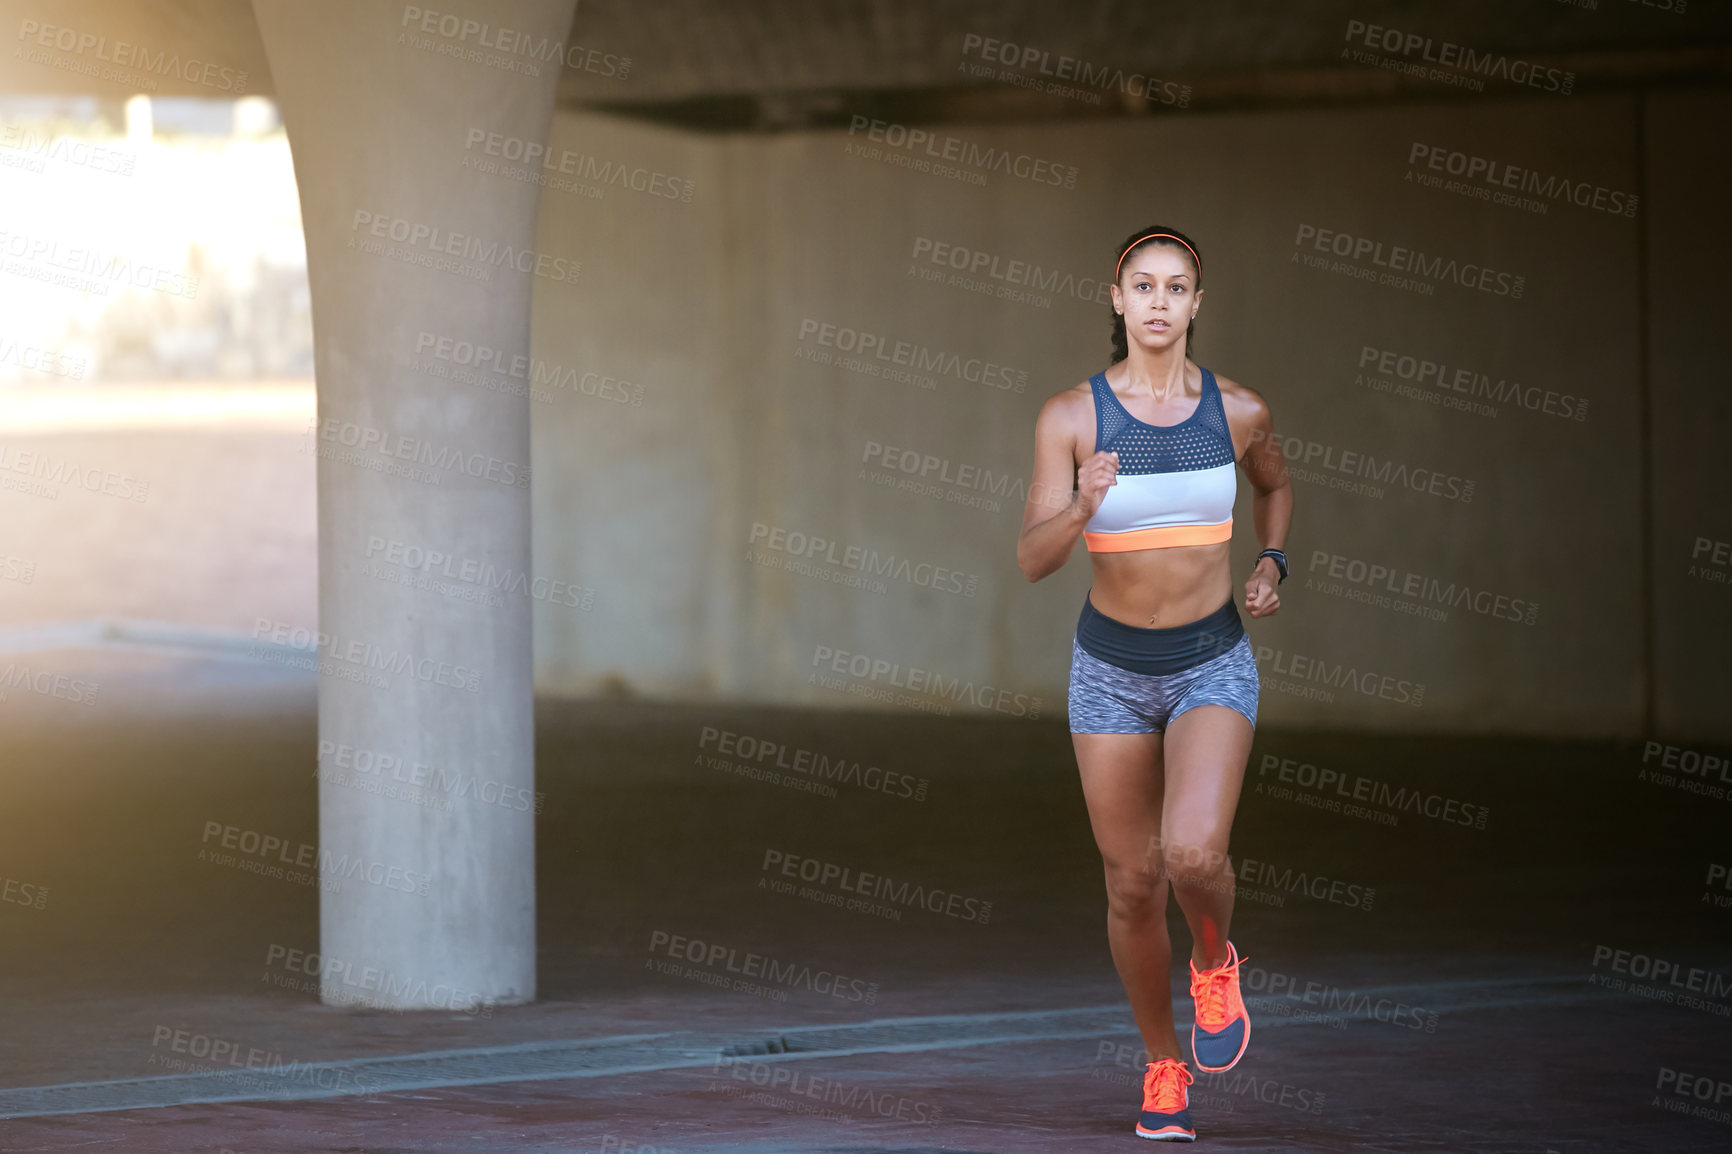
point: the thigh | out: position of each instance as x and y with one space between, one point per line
1122 780
1106 699
1205 751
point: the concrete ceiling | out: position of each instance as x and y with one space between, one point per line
772 64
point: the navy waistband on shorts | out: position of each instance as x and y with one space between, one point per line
1158 650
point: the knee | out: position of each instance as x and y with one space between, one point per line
1194 864
1135 893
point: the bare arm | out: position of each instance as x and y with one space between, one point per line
1271 507
1054 514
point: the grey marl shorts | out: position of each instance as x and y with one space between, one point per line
1107 699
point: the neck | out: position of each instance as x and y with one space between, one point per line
1160 373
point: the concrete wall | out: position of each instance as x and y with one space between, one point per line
742 434
1690 242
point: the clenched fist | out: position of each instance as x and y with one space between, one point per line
1093 478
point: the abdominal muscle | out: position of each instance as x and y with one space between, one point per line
1162 588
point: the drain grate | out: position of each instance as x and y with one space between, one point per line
640 1053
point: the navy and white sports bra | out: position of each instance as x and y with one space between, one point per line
1176 483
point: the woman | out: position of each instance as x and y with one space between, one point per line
1163 687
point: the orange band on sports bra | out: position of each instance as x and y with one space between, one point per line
1152 236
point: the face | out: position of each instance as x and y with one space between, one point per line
1158 295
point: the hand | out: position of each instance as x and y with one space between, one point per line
1097 474
1261 600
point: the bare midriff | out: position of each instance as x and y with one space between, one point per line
1162 588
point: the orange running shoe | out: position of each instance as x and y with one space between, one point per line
1222 1028
1166 1113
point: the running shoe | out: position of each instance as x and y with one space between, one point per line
1222 1028
1166 1113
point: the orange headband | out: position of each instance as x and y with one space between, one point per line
1152 236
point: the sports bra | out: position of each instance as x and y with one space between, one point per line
1176 483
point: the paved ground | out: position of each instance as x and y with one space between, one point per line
140 948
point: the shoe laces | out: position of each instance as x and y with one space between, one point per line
1164 1085
1209 989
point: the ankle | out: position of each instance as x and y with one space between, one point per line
1202 961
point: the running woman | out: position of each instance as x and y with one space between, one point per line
1163 687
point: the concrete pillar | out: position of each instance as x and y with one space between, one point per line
417 254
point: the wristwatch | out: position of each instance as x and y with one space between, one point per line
1280 560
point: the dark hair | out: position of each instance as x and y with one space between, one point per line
1121 342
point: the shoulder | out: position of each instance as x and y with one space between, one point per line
1242 402
1069 408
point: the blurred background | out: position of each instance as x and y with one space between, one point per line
1521 435
833 258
